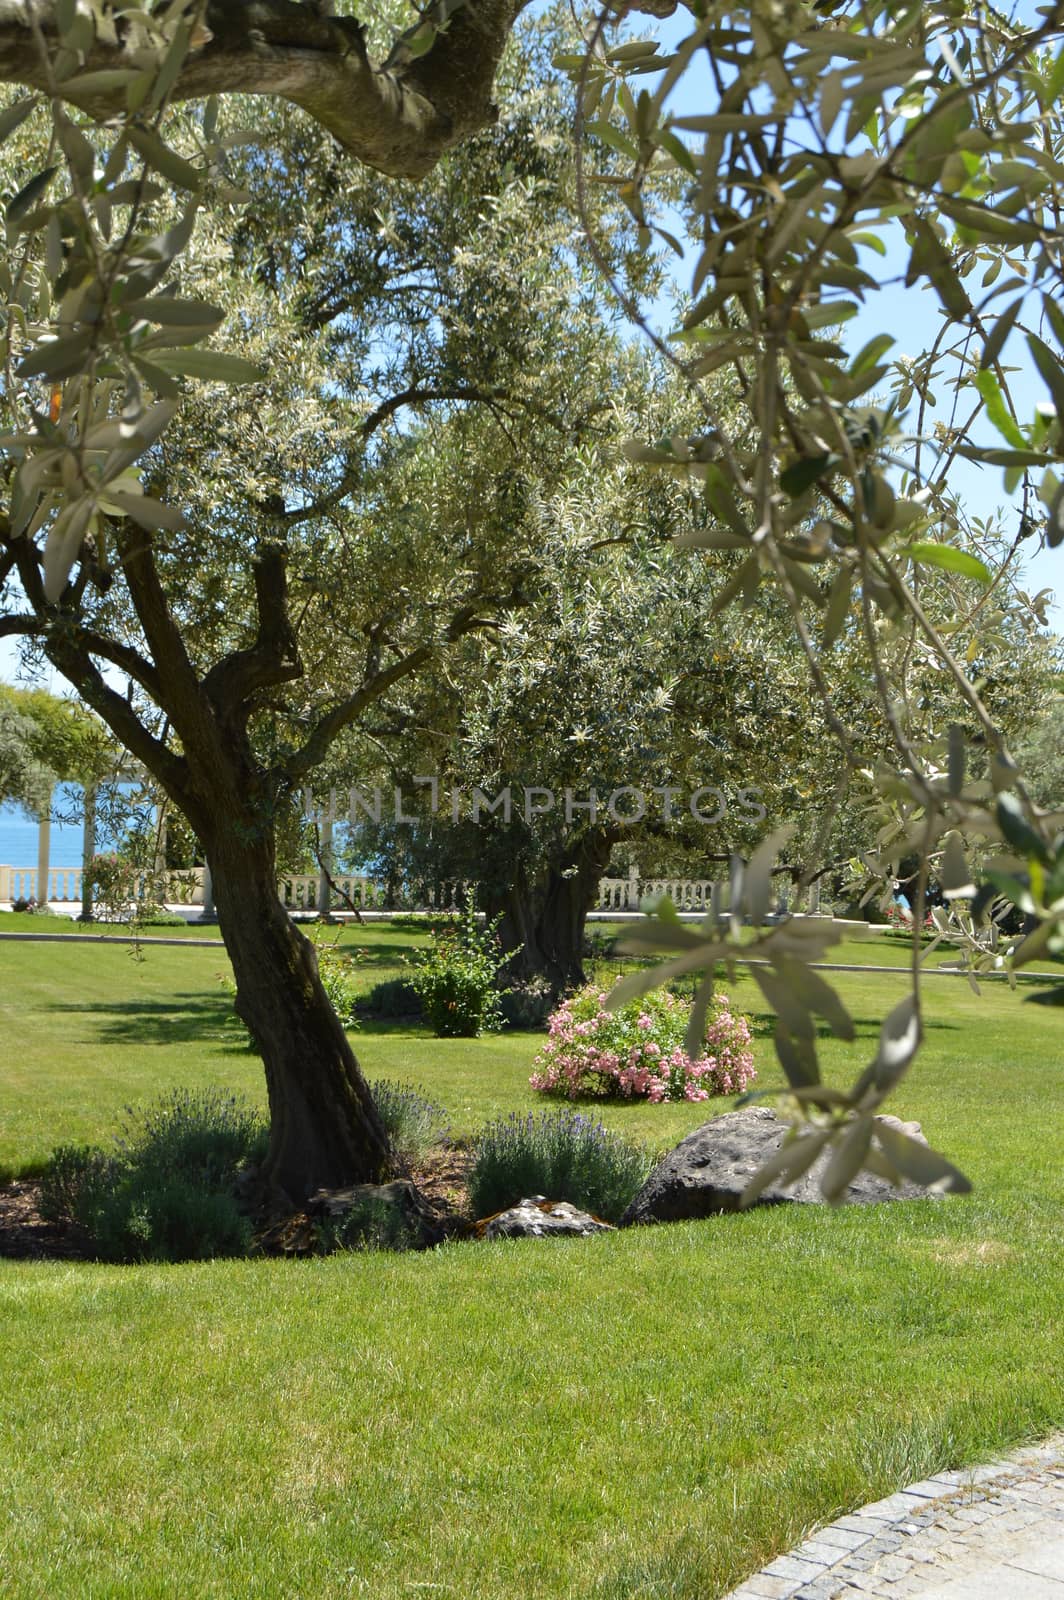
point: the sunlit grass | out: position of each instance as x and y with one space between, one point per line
642 1415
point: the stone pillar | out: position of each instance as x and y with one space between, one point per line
633 887
44 845
207 914
88 850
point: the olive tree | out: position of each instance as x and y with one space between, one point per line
827 135
825 129
264 563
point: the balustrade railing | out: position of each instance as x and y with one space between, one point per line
303 891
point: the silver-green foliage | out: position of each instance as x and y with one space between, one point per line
561 1155
165 1190
826 129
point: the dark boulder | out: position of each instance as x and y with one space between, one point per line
708 1171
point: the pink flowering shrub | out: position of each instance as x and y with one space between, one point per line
638 1052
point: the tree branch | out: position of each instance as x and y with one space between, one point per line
74 662
7 557
20 625
399 118
465 620
123 656
274 657
137 554
326 729
413 396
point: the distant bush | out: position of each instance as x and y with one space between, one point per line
159 917
527 1005
638 1051
437 922
414 1122
338 974
394 997
457 979
166 1192
74 1182
561 1155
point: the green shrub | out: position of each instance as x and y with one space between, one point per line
414 1122
166 1193
561 1155
208 1134
74 1182
394 997
154 1217
457 979
337 972
599 945
372 1225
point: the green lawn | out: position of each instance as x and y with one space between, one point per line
57 922
650 1414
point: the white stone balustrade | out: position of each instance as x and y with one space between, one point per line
305 892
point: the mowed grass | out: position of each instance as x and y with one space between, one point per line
652 1413
59 923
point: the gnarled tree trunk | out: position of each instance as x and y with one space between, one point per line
547 914
324 1127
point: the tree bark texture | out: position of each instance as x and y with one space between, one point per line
324 1127
547 914
398 117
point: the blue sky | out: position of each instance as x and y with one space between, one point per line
912 317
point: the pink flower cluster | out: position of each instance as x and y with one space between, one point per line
638 1051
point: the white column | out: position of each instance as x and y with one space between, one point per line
208 913
88 850
44 843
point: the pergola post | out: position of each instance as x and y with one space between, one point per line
88 851
44 845
208 913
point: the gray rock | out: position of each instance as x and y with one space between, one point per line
537 1218
708 1171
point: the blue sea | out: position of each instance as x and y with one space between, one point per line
18 833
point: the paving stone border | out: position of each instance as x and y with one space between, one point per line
945 1528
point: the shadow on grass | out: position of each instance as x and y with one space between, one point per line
763 1026
372 957
181 1019
1046 997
